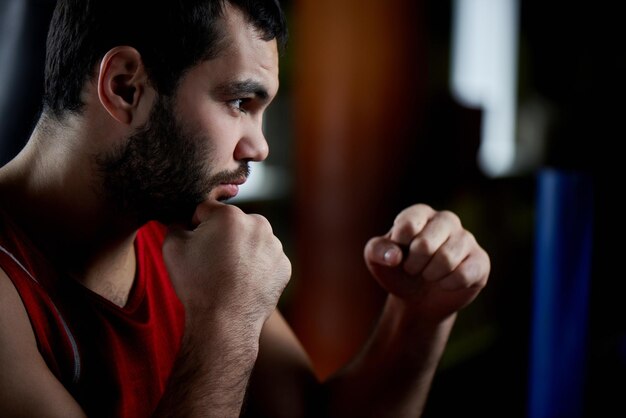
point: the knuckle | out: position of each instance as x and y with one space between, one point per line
449 216
471 274
261 221
423 246
422 207
231 209
407 229
469 238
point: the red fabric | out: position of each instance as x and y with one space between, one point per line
114 361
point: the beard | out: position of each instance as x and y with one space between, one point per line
162 171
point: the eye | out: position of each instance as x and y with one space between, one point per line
238 104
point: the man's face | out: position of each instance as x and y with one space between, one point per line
197 145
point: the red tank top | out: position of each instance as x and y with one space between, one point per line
114 361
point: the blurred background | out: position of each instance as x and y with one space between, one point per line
507 112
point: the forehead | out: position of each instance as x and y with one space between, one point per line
244 57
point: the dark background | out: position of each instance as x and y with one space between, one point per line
571 62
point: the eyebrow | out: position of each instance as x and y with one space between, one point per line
243 88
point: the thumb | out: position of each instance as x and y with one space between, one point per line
384 258
382 251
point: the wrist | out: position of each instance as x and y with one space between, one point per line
224 317
408 314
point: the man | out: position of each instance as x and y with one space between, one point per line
151 113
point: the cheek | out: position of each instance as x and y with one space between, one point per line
218 128
210 120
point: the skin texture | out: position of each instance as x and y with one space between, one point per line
159 172
236 342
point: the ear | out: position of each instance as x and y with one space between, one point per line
122 82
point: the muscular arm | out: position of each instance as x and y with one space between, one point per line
283 384
211 374
395 370
229 273
391 376
431 268
27 387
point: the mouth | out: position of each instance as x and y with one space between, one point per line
228 189
225 185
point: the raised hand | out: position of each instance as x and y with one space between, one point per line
429 262
230 264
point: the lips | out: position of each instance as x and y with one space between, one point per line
236 182
228 189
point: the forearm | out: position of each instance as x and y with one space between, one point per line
228 272
211 375
283 383
394 371
390 377
431 268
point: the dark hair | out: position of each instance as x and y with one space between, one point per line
171 35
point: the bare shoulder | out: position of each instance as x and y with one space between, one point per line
27 387
15 329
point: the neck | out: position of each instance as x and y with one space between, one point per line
50 190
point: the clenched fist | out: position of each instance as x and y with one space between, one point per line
429 262
231 265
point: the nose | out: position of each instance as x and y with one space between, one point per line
252 145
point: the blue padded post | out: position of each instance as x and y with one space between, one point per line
563 246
